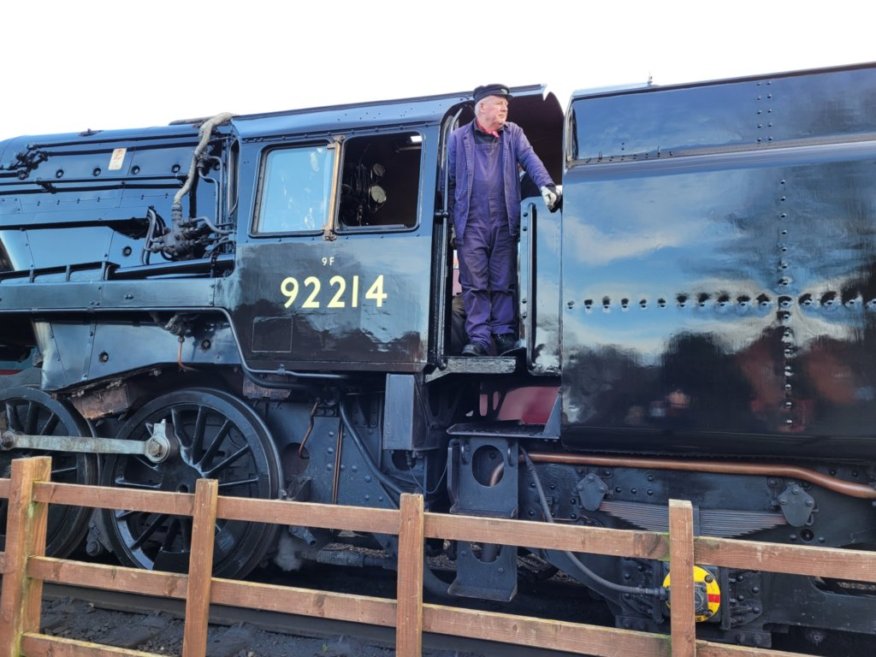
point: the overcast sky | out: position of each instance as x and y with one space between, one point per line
101 64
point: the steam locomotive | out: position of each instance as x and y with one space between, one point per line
268 300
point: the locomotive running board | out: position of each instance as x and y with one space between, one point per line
481 365
497 429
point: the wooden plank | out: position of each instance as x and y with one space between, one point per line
109 578
571 538
309 514
42 645
200 569
4 488
709 649
304 602
681 567
539 633
26 519
110 497
793 559
409 614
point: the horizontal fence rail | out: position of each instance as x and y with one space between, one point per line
25 568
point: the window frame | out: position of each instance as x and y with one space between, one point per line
332 147
339 228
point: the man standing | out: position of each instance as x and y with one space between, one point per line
482 160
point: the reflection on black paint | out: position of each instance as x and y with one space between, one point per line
754 279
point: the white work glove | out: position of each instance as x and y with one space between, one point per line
553 196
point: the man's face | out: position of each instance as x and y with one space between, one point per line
494 112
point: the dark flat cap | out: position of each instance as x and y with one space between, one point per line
491 90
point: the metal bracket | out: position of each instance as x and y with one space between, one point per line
796 505
591 491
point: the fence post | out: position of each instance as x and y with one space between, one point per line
409 612
682 616
21 600
200 568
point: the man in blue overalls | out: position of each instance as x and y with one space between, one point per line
482 160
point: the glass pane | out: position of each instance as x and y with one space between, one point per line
297 185
380 184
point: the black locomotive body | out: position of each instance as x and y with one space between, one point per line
268 300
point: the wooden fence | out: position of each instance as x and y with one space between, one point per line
25 568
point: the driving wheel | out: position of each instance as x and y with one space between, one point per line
212 435
32 411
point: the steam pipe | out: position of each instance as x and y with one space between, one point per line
851 489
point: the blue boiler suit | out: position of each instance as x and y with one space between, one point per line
485 207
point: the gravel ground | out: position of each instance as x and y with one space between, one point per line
163 634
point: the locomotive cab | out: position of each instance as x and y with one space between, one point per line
343 256
539 113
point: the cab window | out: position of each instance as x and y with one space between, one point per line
296 190
380 183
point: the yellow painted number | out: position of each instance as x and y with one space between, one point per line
345 292
289 288
311 302
376 292
337 300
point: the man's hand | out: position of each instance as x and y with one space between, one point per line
553 196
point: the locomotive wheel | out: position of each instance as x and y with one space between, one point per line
213 435
32 411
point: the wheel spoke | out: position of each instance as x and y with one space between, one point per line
49 425
216 443
227 461
62 471
240 482
127 483
198 437
150 529
31 417
12 417
178 428
172 532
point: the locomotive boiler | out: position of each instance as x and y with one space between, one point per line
267 300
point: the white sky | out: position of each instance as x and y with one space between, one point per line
101 64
